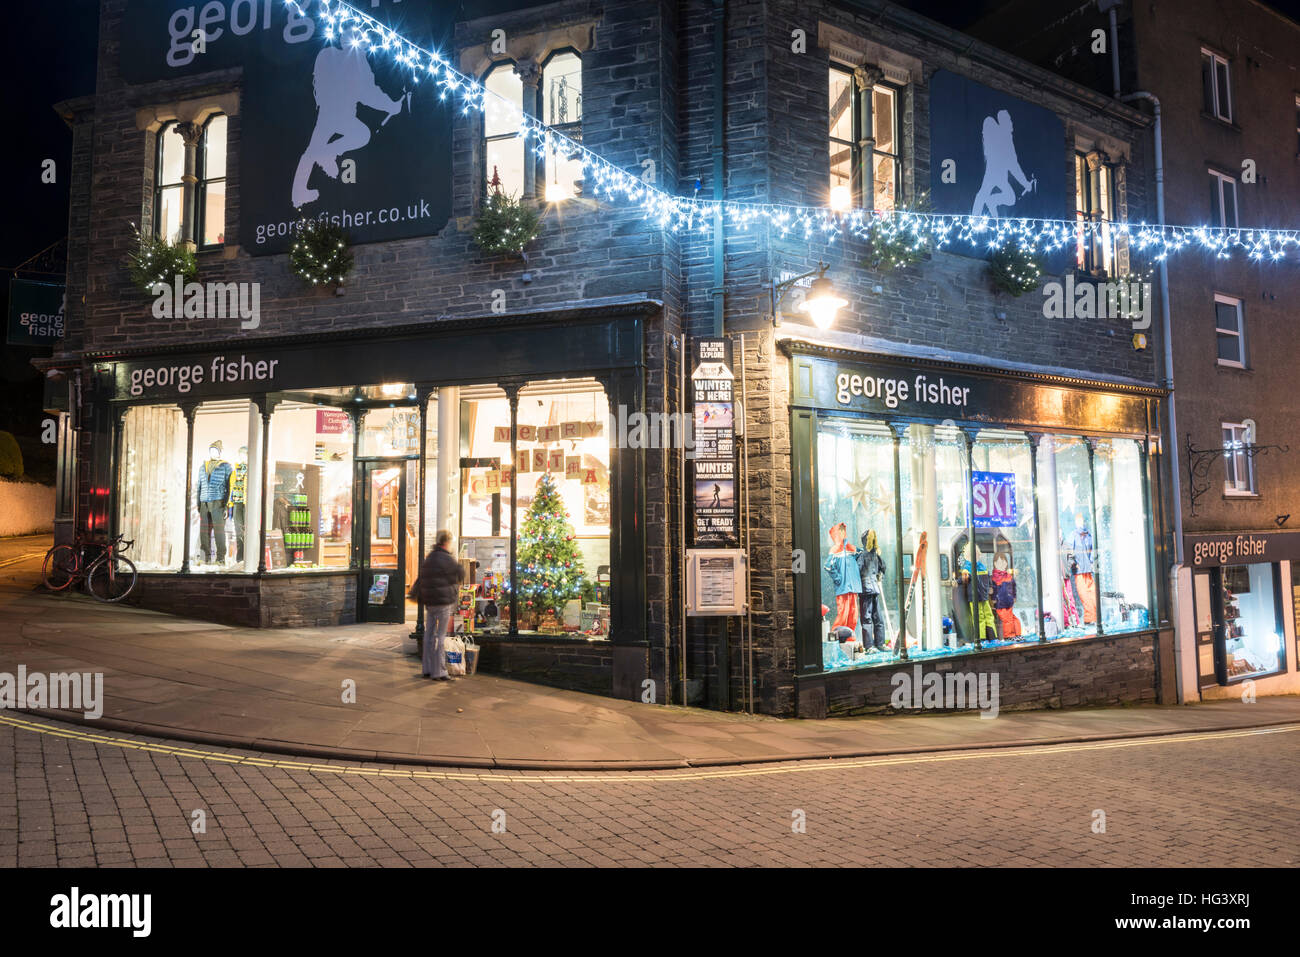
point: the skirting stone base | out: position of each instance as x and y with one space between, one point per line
575 664
272 601
1091 671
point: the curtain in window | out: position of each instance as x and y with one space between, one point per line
152 485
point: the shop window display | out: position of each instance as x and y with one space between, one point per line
151 483
936 502
563 428
219 493
1069 545
859 540
1122 556
1006 530
562 515
983 594
485 451
429 495
1252 633
309 488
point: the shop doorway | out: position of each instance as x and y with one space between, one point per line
383 544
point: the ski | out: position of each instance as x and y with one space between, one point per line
917 564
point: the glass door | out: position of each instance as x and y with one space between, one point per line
383 541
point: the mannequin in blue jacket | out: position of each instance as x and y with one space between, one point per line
842 567
211 496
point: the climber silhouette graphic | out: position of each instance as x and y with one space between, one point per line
341 80
1000 164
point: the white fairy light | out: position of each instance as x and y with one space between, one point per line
691 214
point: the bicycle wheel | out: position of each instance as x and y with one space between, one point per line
111 579
61 567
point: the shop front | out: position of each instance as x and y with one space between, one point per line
950 516
299 481
1244 612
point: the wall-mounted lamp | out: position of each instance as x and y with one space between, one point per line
822 303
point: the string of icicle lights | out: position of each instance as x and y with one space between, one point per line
353 28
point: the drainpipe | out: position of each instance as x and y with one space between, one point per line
1184 643
723 663
1108 7
1166 326
719 92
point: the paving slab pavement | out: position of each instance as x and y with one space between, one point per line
281 690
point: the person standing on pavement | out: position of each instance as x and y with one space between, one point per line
438 587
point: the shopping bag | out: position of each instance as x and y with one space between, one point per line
471 656
455 656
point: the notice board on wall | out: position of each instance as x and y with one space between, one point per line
713 489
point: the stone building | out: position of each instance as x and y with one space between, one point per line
439 385
1222 75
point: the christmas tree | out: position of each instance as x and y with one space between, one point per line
549 566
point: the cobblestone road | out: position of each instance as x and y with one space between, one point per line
1209 799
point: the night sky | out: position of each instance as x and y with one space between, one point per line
48 56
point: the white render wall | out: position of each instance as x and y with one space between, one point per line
25 508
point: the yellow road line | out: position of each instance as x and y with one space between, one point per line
604 777
21 558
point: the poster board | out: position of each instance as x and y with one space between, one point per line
715 582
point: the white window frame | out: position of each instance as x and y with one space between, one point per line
1235 460
1221 111
1095 202
853 145
1222 212
1239 332
511 67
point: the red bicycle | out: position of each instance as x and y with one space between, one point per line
109 576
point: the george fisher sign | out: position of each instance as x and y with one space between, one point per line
1241 548
889 387
327 132
35 313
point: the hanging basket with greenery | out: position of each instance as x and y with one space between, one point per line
897 240
506 225
1015 268
155 261
320 253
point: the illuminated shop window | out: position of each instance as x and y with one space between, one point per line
561 521
309 488
389 432
1253 643
220 539
151 486
980 594
1121 536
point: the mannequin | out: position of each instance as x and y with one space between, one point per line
1069 607
238 499
1080 546
871 569
842 566
212 496
983 588
1004 595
